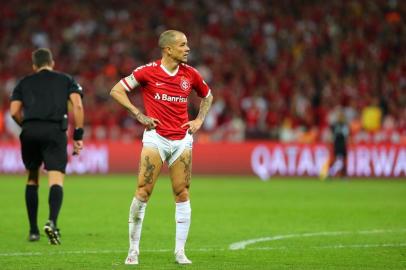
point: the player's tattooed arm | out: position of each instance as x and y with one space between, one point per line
148 122
119 94
205 105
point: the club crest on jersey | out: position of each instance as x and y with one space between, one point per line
184 84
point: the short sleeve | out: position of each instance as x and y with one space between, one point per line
74 87
200 86
139 74
138 77
17 93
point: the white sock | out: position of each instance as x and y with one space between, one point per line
136 216
182 217
337 166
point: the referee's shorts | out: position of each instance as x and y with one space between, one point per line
169 150
44 142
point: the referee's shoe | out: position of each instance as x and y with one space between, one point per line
53 233
33 236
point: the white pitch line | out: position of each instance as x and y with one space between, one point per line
12 254
239 245
60 253
364 246
339 246
243 244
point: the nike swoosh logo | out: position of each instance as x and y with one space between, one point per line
159 84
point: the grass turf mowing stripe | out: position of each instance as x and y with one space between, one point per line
339 246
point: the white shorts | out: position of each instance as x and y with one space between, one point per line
169 150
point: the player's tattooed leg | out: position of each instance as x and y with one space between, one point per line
149 170
187 162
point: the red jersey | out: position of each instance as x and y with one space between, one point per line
165 94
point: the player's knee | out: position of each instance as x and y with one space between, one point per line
143 194
182 195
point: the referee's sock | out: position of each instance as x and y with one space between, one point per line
55 202
31 202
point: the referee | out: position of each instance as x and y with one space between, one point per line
39 104
340 133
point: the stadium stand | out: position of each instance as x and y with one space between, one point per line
280 70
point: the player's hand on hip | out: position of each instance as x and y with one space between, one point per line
148 122
193 125
77 147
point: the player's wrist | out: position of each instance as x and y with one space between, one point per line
78 134
136 114
140 117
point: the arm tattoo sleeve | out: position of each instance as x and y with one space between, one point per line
205 105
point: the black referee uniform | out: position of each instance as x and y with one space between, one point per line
340 133
39 103
45 97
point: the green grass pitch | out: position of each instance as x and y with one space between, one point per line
279 224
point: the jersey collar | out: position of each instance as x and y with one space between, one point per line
47 68
168 72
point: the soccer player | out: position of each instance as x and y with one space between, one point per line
340 132
39 104
165 85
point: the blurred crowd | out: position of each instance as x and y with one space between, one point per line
280 70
